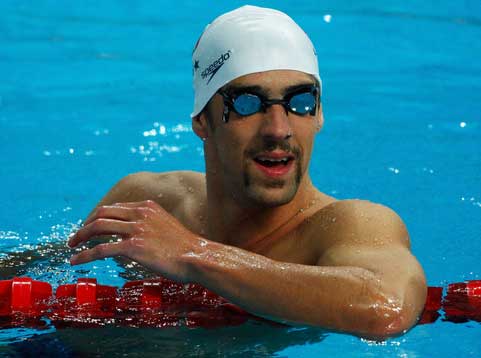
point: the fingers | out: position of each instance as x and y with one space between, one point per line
110 212
98 252
123 219
101 227
122 211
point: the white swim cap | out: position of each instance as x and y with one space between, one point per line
247 40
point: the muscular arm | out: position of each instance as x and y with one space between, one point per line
366 282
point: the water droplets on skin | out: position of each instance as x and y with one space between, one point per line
379 242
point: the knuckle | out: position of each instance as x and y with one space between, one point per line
150 203
91 227
146 212
130 246
101 211
142 212
96 225
99 250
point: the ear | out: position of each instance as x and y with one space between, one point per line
199 125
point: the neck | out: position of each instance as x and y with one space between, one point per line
232 223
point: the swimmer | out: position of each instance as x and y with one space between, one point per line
254 228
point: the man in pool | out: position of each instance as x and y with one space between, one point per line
254 229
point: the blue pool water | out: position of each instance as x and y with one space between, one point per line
92 91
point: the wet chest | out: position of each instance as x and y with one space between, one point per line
294 247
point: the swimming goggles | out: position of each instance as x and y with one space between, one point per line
302 102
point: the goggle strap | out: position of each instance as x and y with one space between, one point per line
225 114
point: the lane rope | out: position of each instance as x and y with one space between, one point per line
164 303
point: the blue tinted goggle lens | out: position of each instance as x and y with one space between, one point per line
303 103
247 104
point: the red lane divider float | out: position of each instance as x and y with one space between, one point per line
22 301
165 303
463 301
432 306
148 303
83 304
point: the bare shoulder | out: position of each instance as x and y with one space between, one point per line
180 193
372 237
167 189
167 183
358 223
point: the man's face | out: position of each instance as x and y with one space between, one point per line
262 159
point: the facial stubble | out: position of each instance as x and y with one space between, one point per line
275 183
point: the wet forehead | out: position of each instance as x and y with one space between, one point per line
273 83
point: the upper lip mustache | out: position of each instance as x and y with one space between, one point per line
277 155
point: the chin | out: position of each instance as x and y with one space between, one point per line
271 197
261 191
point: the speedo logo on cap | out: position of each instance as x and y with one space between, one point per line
215 66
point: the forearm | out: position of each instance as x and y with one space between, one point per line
374 292
348 299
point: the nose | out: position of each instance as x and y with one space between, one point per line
276 124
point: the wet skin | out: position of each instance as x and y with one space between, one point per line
255 230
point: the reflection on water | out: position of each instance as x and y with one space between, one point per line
253 339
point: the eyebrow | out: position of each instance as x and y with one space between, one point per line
255 89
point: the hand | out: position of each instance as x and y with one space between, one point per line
148 235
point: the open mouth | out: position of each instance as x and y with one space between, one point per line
273 162
274 165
